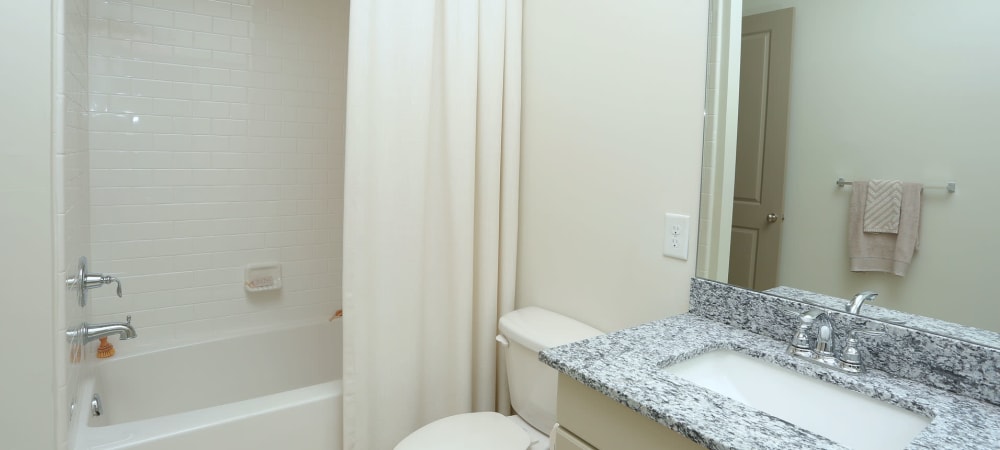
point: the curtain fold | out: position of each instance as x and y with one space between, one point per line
430 215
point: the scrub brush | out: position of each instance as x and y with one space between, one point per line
105 350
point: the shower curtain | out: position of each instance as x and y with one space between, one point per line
430 210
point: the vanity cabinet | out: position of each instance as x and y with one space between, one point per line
589 420
565 440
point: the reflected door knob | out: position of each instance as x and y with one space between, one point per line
771 218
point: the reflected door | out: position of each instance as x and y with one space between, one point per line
760 150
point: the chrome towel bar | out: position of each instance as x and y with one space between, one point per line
950 186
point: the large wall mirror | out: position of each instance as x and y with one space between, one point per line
879 89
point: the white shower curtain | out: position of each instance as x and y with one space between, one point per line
430 214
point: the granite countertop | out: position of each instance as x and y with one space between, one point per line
626 366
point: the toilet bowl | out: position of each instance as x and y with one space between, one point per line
523 333
479 431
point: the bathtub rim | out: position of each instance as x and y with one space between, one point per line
99 437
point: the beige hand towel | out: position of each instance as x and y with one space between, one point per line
884 252
882 206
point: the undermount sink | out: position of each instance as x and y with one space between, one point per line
843 416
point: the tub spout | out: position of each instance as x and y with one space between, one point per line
93 332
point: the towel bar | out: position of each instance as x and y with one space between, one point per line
950 186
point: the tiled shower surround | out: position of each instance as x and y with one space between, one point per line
216 141
71 180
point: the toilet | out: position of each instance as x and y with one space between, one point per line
523 333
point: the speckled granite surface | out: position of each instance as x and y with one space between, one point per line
945 363
918 371
626 366
953 330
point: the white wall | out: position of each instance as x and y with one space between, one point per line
216 142
613 106
26 220
896 89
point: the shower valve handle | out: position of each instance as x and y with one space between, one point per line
96 280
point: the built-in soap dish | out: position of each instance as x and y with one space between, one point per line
262 277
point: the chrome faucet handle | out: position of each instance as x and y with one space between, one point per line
850 357
801 343
108 279
85 281
96 280
810 315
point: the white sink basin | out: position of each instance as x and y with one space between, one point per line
846 417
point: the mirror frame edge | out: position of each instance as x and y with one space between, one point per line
719 153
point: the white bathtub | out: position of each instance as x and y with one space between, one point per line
277 389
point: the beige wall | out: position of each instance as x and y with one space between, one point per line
27 262
896 89
613 106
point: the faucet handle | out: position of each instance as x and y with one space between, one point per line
801 343
95 280
108 279
850 357
809 316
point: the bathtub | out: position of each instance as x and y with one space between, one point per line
274 389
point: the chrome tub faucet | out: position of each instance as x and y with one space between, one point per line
88 332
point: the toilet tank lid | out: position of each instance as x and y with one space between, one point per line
539 329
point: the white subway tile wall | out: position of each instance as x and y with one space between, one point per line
715 92
71 187
216 141
708 161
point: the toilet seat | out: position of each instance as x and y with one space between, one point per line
481 431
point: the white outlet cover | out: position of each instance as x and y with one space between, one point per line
675 241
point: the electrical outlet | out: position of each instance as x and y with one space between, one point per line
675 243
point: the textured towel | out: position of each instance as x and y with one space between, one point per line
884 252
882 206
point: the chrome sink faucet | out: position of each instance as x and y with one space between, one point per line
89 333
860 299
821 349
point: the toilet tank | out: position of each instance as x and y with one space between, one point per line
532 383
